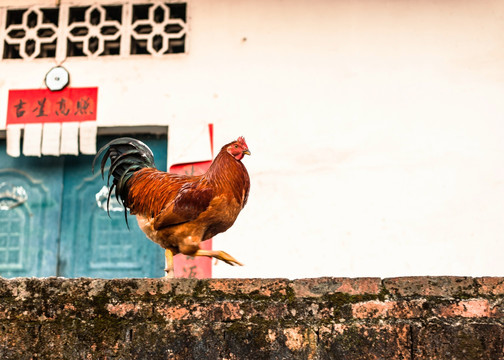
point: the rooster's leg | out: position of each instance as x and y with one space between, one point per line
221 255
169 264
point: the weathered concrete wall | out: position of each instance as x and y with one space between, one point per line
323 318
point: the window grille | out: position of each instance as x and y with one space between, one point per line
12 247
154 28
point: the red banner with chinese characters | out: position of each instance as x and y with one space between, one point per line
43 106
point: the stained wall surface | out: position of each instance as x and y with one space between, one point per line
321 318
375 128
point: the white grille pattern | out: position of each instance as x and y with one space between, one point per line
162 25
154 28
91 31
31 33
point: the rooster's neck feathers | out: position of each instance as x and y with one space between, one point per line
229 174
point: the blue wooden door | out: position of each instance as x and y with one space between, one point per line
30 214
62 228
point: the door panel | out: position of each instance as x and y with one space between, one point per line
30 213
94 244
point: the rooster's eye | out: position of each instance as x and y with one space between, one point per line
236 146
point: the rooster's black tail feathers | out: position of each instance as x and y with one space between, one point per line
127 155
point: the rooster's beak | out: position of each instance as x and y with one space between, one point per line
246 152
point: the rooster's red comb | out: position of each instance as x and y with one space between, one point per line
241 141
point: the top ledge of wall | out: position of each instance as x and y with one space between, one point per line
280 289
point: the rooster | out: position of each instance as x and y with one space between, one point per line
178 212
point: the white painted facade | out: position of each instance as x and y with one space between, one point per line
376 128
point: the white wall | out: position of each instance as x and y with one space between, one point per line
375 128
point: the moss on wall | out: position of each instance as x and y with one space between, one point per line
323 318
